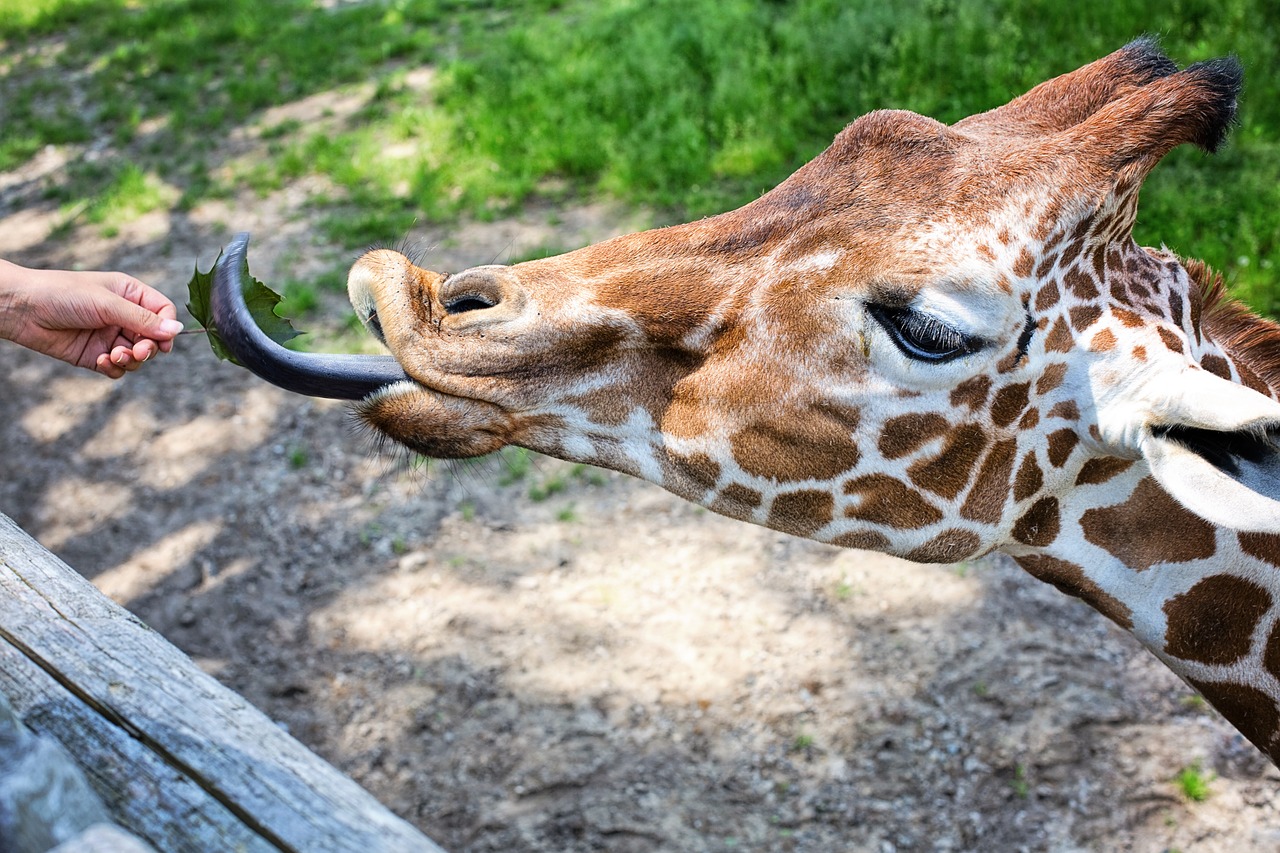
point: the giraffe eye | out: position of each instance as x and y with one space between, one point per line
921 337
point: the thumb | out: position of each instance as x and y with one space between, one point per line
142 321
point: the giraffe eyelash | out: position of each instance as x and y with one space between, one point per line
921 337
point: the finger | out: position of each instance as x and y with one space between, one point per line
142 346
145 295
122 356
144 350
141 321
106 368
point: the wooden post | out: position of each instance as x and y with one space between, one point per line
179 760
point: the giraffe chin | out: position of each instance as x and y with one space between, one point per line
434 424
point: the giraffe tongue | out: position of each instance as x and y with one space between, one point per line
339 377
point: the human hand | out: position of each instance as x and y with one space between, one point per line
108 322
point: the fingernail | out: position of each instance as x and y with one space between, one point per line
171 327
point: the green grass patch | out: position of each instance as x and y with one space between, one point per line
1193 782
690 106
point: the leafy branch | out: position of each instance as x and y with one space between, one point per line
261 300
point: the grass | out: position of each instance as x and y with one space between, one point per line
689 107
843 590
298 457
1020 785
802 742
1193 782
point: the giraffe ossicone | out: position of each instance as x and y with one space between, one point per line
934 341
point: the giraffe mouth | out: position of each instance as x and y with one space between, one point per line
338 377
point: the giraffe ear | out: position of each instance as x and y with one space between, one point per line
1130 134
1215 448
1071 98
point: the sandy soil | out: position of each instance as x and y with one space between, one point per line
560 659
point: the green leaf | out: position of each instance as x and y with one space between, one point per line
261 300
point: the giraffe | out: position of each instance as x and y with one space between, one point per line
932 341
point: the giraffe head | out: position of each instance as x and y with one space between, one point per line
919 343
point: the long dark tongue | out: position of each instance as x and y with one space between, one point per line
339 377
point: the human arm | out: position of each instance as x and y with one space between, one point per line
103 321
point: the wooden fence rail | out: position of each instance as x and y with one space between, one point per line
178 759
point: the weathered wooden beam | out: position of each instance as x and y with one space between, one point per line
179 760
45 800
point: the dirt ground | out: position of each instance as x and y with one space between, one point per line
549 658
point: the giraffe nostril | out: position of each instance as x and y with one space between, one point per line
474 290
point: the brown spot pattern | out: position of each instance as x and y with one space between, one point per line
949 546
1213 622
1264 546
801 513
1072 580
1067 410
971 392
1045 266
1197 311
1047 297
1080 283
1059 338
906 433
1216 365
1099 258
1040 524
1010 362
700 467
1025 263
1052 378
1074 247
1171 339
1128 319
890 502
1104 341
1101 468
864 540
1084 316
948 472
736 501
1124 530
1061 443
1029 479
985 503
604 406
816 443
1009 403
